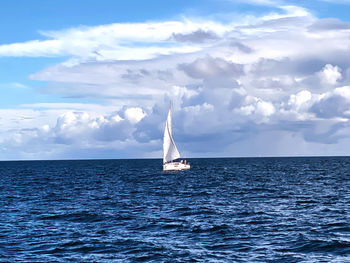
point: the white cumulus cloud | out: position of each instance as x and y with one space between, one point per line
330 74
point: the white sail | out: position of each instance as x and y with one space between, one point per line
170 151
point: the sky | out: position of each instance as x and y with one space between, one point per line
94 79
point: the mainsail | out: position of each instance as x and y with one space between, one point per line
170 151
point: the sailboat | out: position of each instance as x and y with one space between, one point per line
171 154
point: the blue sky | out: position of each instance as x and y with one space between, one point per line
88 79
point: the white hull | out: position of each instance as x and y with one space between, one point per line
175 166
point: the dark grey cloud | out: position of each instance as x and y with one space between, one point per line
332 106
329 24
312 131
198 36
287 66
148 128
165 75
113 131
135 75
204 68
346 76
328 136
244 48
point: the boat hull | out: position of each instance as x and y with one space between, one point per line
175 166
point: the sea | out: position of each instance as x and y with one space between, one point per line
221 210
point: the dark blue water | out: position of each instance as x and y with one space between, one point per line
222 210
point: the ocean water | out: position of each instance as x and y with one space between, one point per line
222 210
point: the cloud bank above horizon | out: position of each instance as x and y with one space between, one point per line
271 85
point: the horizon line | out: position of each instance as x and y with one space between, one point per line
223 157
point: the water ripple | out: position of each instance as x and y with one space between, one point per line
222 210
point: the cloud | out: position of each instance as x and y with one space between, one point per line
329 24
330 74
333 104
277 84
300 101
211 67
75 127
134 115
198 36
120 41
